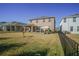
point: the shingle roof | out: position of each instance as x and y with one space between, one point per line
2 23
12 23
42 17
74 15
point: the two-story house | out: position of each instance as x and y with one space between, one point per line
43 23
70 24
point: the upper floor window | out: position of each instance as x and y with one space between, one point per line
77 28
64 20
36 21
71 28
49 20
43 20
74 19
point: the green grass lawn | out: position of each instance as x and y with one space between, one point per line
33 44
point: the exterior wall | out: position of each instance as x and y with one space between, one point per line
64 25
40 22
69 22
4 28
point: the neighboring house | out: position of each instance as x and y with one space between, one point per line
39 24
11 26
70 24
1 25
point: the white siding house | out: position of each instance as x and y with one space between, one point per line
70 24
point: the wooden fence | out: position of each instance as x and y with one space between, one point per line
70 47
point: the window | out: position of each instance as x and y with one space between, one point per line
71 28
74 19
49 20
64 20
36 21
78 28
43 20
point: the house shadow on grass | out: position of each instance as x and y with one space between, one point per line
6 47
34 53
70 47
5 38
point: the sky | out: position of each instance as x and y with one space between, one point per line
22 12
